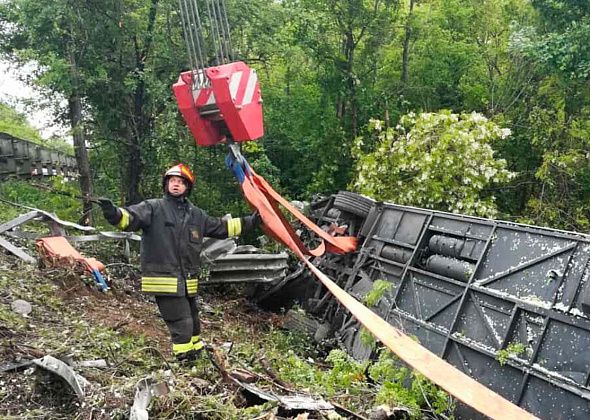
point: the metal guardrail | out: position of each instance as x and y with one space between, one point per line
251 268
509 304
21 158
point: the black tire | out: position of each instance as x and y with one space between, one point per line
353 203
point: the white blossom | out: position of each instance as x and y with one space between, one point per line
505 132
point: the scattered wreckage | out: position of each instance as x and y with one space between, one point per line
62 374
225 261
506 303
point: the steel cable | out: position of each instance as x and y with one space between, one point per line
201 51
215 29
188 36
224 33
228 33
214 21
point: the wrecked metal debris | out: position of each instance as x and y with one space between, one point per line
227 262
288 402
77 382
251 268
14 366
56 227
298 320
145 389
98 363
468 288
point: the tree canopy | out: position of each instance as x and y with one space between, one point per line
435 73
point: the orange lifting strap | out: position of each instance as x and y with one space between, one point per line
266 200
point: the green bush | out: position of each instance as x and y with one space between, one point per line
56 196
402 386
440 161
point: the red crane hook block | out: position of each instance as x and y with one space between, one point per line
225 102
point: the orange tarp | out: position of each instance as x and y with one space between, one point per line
60 252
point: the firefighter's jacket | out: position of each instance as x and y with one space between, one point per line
172 239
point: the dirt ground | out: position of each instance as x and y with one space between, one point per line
62 301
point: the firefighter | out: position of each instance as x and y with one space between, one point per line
173 230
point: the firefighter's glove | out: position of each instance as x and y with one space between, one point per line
253 221
111 212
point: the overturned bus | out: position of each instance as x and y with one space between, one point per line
506 303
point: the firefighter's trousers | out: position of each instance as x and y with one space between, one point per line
181 315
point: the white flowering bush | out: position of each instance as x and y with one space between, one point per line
441 161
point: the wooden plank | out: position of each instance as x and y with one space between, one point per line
11 224
448 377
17 251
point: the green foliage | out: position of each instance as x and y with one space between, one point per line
558 137
345 372
372 298
345 375
59 144
566 52
395 385
16 124
512 350
560 44
56 197
401 386
376 293
554 120
8 211
327 70
439 160
367 338
8 317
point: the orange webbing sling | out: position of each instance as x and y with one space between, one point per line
260 195
266 200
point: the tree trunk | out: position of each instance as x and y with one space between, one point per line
140 121
406 47
75 114
350 47
135 136
133 172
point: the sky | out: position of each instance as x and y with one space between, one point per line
14 92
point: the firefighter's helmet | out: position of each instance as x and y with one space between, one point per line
182 171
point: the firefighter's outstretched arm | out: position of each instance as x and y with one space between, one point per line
129 218
111 213
216 227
